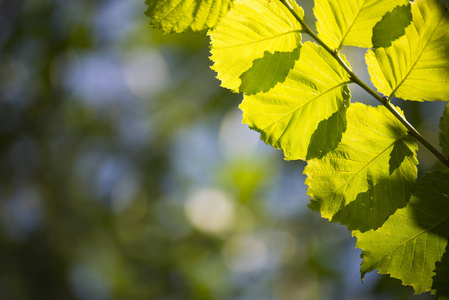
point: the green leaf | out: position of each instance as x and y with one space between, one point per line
261 35
412 240
186 15
369 175
444 130
307 110
416 66
392 26
267 71
441 278
351 22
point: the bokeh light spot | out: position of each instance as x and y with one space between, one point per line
245 254
209 210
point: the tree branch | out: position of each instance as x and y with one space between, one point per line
355 79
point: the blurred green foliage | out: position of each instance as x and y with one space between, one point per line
126 174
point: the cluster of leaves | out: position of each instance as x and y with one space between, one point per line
361 160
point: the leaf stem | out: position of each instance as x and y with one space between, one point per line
413 132
355 79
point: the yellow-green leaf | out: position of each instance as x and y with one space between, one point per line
251 31
307 110
369 175
392 26
186 15
412 240
351 22
416 66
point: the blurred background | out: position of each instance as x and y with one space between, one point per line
125 171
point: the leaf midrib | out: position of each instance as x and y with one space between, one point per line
417 59
305 103
407 241
350 26
345 185
260 41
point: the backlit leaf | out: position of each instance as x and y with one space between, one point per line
412 240
186 15
392 26
369 175
261 35
415 66
307 110
351 22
